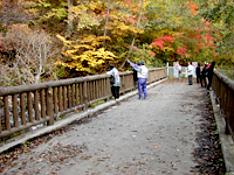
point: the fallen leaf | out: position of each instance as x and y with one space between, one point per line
39 160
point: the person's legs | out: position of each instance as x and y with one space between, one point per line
117 92
209 83
190 79
198 79
140 87
114 91
202 81
179 76
144 88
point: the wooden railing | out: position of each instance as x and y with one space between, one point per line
224 90
25 106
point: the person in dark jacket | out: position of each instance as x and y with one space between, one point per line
135 76
210 72
198 73
203 76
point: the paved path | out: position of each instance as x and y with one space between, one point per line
153 136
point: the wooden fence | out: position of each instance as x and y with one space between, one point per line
224 90
25 106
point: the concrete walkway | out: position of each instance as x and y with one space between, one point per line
153 136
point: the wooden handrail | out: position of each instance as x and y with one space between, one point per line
224 90
24 106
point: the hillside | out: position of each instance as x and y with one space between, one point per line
44 40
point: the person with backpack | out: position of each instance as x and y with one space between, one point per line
142 75
114 81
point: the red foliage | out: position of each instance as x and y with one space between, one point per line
208 37
181 51
161 42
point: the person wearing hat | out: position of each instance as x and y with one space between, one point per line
142 75
115 81
210 72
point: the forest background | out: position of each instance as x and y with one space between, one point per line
44 40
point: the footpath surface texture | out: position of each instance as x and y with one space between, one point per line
153 136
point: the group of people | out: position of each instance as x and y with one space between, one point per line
206 71
201 73
141 74
141 78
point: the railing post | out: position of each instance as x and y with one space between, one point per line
50 106
85 96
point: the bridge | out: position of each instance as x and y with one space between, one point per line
159 135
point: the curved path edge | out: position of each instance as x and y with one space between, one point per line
227 142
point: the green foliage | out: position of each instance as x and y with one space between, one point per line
44 4
58 14
221 15
97 103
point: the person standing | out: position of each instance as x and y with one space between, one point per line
210 72
198 73
135 76
190 73
142 75
179 70
203 76
115 84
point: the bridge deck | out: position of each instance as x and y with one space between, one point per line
153 136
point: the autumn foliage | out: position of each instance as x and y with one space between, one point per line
92 34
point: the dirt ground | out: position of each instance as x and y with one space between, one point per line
164 134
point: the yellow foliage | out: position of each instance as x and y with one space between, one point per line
102 38
83 46
96 5
88 39
120 39
61 38
92 57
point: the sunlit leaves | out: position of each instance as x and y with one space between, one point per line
85 54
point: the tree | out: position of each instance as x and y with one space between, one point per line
134 38
221 15
33 50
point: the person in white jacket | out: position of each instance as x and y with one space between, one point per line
190 73
142 75
116 84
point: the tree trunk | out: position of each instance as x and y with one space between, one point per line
107 16
70 18
134 38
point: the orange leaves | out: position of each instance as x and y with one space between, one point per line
152 53
193 7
